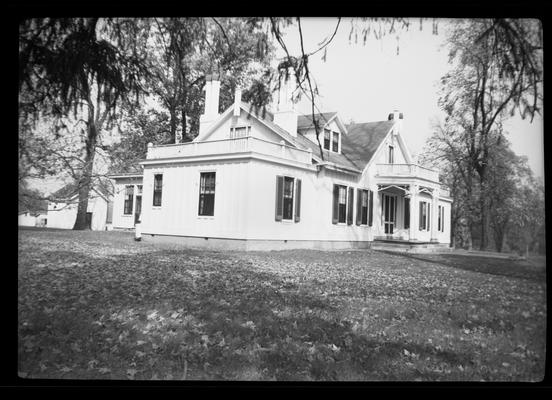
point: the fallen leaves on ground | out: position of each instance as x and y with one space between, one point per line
97 305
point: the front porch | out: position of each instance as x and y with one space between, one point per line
412 205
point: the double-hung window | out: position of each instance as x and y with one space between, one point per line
207 194
129 198
327 135
288 198
157 189
342 210
424 216
335 142
363 204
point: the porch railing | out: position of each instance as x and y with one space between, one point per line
410 170
228 146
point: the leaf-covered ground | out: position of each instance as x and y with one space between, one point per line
97 305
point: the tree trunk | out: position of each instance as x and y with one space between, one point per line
172 113
86 176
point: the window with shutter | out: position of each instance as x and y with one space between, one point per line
342 204
335 142
288 198
364 207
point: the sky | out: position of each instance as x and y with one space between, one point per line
366 82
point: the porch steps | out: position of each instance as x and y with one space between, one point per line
405 246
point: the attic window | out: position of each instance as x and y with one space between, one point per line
239 132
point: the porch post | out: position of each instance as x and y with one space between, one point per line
413 233
434 215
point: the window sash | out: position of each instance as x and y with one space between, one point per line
335 142
342 204
364 207
129 198
207 193
326 139
288 198
391 155
157 189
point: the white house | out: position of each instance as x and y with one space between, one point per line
62 213
127 200
259 182
29 218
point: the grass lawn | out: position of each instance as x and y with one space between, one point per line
97 305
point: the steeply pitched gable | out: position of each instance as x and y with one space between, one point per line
362 141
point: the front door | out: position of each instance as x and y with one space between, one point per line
389 213
138 209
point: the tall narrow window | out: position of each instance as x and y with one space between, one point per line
327 139
157 189
391 155
364 208
425 209
406 213
335 142
207 194
371 208
129 198
342 204
288 198
441 219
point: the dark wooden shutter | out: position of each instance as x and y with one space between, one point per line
279 197
359 207
335 204
297 200
370 208
350 206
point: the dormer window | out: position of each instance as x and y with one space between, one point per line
331 140
327 135
335 142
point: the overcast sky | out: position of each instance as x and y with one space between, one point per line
367 82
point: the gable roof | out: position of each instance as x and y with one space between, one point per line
363 139
305 121
71 190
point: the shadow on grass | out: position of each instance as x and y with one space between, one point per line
175 313
486 265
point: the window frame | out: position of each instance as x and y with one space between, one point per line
339 204
335 143
233 131
157 190
327 140
391 155
289 199
364 210
201 212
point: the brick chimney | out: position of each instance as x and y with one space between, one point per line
286 115
398 118
211 112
